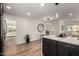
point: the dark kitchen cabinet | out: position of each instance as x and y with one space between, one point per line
52 48
57 48
74 53
61 49
49 47
73 50
45 47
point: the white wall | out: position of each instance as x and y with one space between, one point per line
55 27
76 22
61 24
24 26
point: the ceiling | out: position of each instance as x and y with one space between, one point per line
48 10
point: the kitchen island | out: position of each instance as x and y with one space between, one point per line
58 46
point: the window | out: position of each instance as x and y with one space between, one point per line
73 29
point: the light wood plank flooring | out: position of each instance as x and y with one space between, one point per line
30 49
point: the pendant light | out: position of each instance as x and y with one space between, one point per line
56 10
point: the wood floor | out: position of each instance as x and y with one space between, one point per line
30 49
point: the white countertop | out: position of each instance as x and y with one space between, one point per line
71 40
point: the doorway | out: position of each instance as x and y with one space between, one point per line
10 36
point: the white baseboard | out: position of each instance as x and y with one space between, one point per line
25 42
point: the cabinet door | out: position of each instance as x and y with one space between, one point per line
74 53
45 47
62 50
52 48
49 47
73 50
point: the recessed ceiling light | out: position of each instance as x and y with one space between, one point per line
70 14
28 13
8 7
42 4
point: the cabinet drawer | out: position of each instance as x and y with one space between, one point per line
49 41
68 45
72 47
